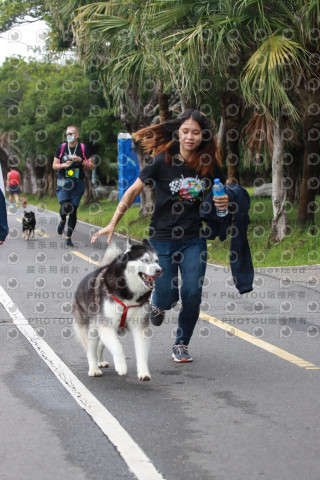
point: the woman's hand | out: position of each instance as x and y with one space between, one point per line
108 230
221 202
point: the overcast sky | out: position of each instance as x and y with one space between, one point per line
22 38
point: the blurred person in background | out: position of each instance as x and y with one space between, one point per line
3 211
70 161
13 184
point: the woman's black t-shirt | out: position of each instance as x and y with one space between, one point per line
76 150
179 194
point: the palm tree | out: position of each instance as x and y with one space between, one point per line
277 62
196 42
108 39
131 68
283 67
201 60
309 98
244 43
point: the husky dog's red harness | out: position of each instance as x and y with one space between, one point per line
125 307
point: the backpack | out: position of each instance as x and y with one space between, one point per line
82 149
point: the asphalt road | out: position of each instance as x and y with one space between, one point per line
247 407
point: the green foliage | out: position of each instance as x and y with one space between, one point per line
15 11
263 50
300 247
111 43
38 101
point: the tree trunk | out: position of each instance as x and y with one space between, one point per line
221 137
147 196
293 162
232 111
279 224
30 178
44 177
163 100
49 178
87 187
311 158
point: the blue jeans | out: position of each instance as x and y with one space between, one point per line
71 192
190 258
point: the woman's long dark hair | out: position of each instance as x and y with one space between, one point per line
163 137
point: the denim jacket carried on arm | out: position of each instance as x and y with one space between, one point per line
238 220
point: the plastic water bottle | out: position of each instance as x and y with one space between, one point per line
218 191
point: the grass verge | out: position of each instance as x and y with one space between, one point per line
300 247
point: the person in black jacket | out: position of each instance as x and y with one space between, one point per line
185 160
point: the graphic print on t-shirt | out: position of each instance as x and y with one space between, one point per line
187 189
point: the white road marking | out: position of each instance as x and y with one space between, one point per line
139 464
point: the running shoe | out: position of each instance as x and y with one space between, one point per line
156 316
180 353
69 243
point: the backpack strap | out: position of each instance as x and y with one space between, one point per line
82 148
61 151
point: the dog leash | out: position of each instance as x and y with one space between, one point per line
14 206
125 307
11 205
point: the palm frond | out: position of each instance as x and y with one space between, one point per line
165 15
259 135
266 69
107 24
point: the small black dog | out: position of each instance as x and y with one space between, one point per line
28 224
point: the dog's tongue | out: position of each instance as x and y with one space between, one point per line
149 280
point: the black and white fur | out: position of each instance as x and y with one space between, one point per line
28 224
130 276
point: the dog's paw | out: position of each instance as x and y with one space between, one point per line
144 376
95 372
103 364
122 371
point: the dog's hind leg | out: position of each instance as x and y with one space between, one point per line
109 338
141 345
101 363
81 332
92 352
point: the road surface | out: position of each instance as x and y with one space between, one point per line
247 407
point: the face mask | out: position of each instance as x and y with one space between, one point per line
70 138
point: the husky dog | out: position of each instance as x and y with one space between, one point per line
28 224
113 297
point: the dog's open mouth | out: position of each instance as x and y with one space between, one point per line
148 280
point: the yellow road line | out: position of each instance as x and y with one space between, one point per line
38 232
233 330
260 343
84 257
241 334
